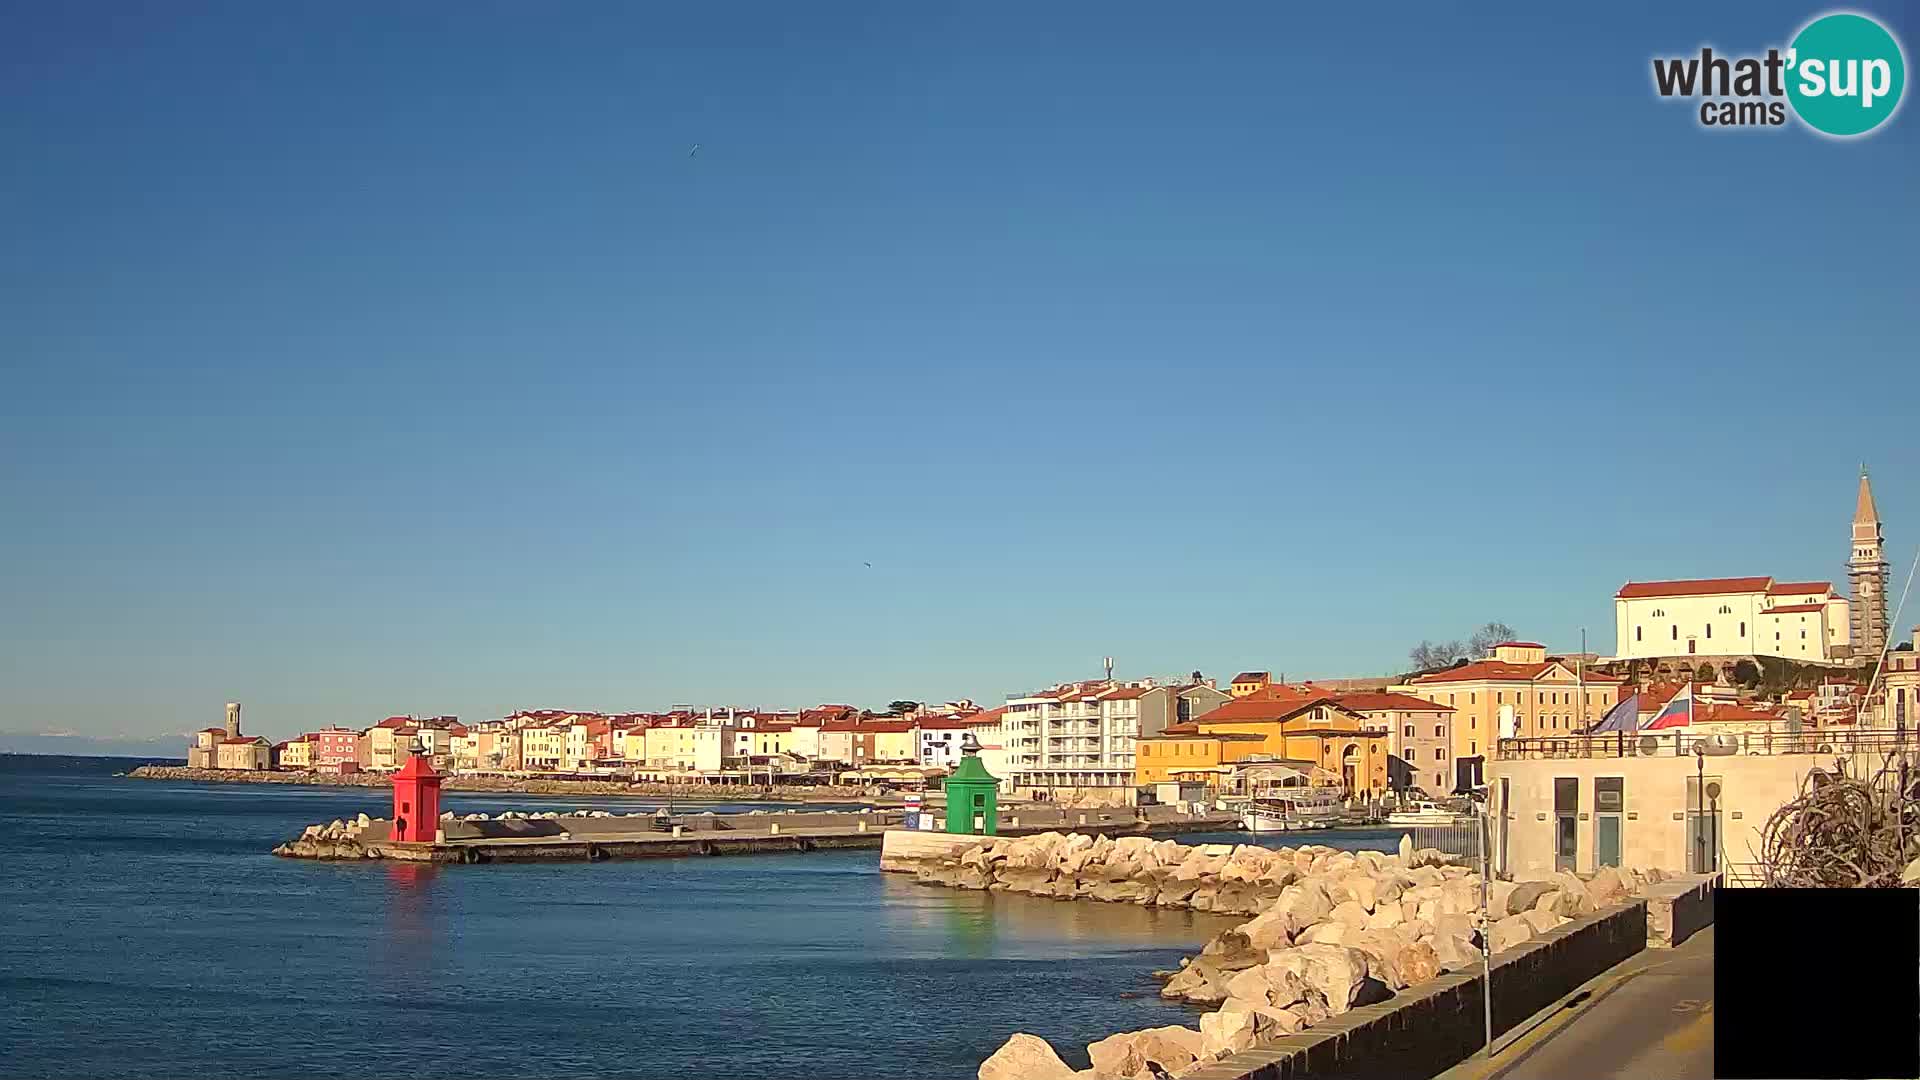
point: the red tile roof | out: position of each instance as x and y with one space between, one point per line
984 719
1693 587
1248 709
1790 609
395 721
1375 702
244 739
1502 671
1519 645
1124 693
1791 588
1252 676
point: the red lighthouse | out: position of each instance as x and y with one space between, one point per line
416 801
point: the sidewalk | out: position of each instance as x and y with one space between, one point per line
1649 1017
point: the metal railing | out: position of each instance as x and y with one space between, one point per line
1679 742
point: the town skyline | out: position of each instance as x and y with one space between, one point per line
55 740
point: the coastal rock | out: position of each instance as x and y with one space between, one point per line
1034 881
1304 903
1231 1030
1335 972
1418 963
1116 1056
1606 888
363 820
1349 912
1331 932
1232 950
1541 920
1025 1057
1386 916
1124 892
1406 849
1175 893
1459 896
1525 895
1271 929
1173 1048
1509 932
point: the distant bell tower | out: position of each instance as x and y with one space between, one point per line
1867 576
233 719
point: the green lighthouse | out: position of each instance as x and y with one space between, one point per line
973 795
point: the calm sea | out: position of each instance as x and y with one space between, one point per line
147 932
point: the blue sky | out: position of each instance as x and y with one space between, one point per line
361 361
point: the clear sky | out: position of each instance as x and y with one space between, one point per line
360 359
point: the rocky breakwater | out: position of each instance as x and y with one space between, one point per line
1330 930
336 839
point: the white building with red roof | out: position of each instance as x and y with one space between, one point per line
1737 616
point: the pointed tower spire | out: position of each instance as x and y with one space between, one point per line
1864 512
1867 574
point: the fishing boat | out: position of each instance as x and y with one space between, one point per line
1423 813
1288 809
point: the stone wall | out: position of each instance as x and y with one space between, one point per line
1332 931
1441 1023
1678 909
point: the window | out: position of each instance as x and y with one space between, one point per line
1473 748
1709 631
1636 633
1676 632
1409 732
1439 731
1439 754
1743 629
1500 697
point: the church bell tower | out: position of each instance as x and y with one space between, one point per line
1867 577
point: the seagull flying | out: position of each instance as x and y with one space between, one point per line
695 150
869 566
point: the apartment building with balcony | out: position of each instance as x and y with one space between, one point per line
1074 735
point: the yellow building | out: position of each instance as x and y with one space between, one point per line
1538 695
1249 683
1313 731
1182 752
543 746
294 754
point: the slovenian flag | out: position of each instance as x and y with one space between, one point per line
1676 713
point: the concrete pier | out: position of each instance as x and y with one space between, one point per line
593 839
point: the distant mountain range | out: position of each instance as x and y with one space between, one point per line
162 747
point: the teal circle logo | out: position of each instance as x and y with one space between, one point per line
1845 73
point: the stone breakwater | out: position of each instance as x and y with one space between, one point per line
522 785
1330 930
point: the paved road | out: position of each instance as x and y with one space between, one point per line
1649 1017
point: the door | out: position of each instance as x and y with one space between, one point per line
1608 803
1566 817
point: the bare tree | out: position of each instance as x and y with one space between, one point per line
1484 639
1433 655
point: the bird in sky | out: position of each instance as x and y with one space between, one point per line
869 566
695 150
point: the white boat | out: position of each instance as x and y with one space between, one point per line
1288 809
1423 813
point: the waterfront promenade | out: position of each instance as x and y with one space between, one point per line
1650 1016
